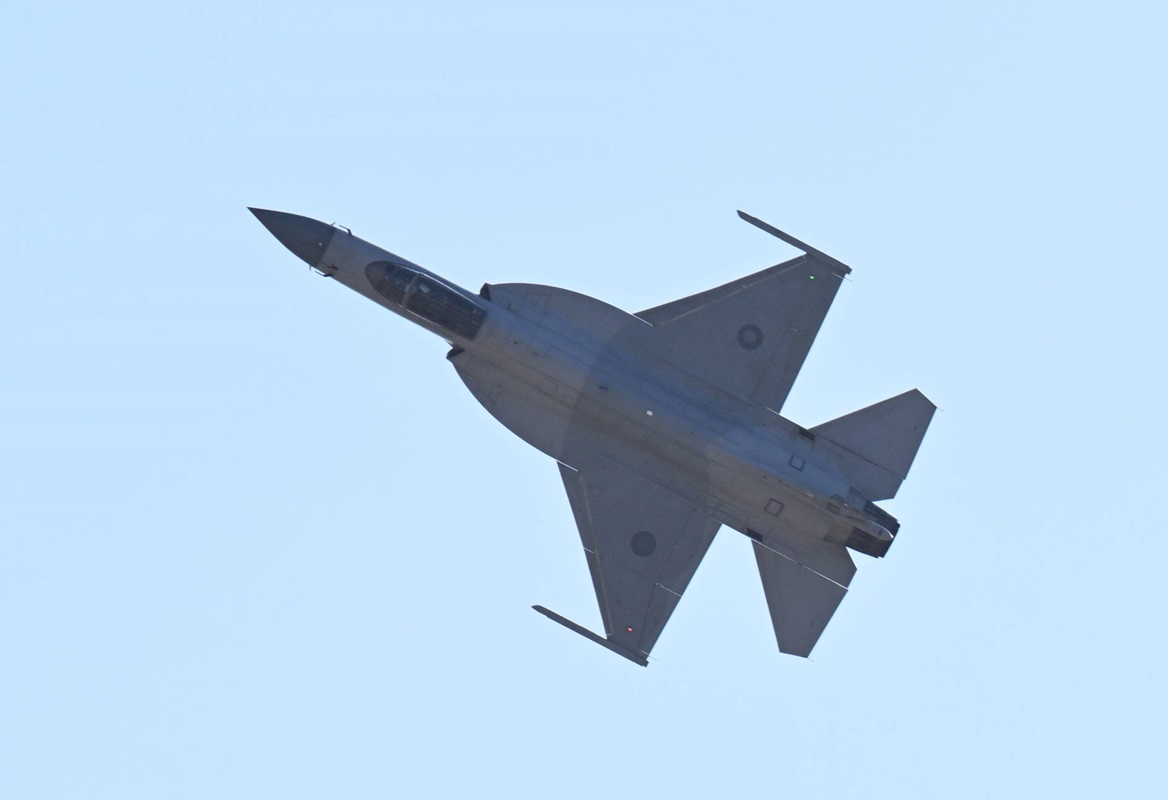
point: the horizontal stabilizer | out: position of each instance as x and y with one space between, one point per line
876 445
802 597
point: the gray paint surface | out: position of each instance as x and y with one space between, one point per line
665 425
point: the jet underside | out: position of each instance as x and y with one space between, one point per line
663 427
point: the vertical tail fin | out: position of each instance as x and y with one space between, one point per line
876 445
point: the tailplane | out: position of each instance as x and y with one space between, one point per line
876 445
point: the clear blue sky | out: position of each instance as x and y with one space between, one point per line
256 539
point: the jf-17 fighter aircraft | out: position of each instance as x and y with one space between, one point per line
665 425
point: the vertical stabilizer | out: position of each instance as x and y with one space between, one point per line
876 445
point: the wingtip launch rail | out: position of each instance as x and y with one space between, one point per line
791 240
636 658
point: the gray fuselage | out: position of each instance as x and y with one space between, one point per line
555 366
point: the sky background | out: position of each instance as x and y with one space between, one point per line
256 538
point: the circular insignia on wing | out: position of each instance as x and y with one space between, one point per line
749 337
643 543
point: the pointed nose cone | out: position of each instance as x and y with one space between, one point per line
307 238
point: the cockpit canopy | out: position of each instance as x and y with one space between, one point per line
427 297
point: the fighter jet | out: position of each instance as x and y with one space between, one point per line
665 425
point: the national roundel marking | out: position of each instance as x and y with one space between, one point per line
643 543
749 337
